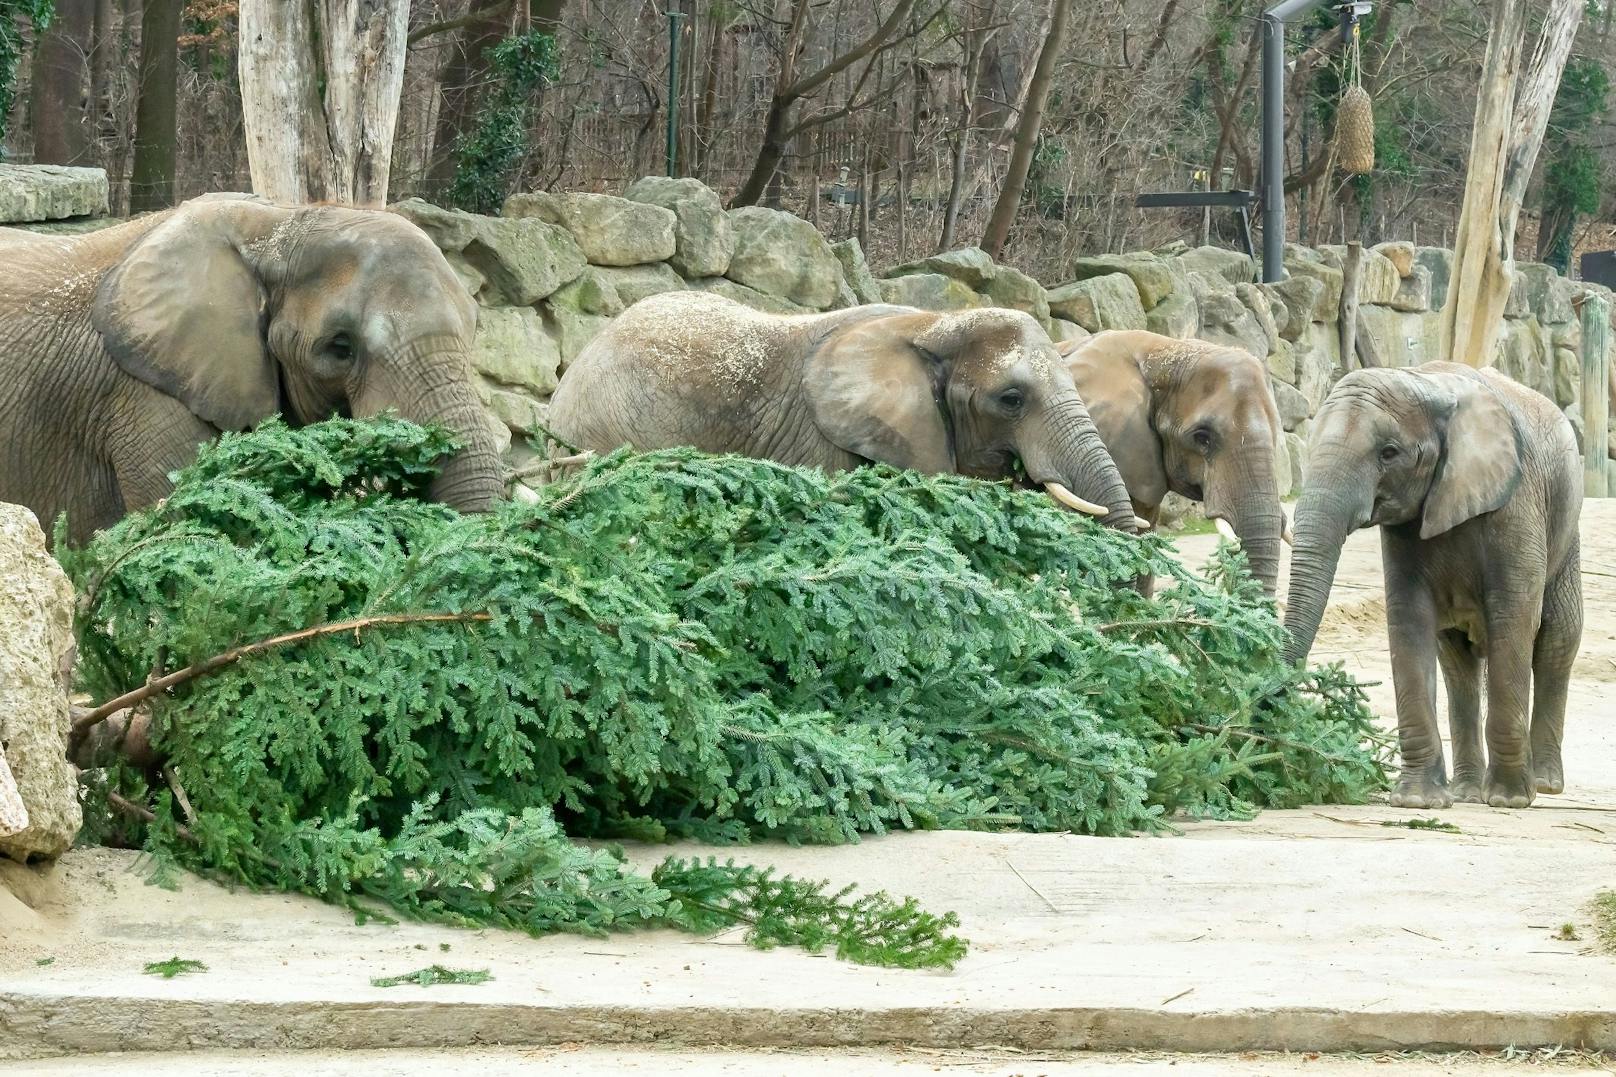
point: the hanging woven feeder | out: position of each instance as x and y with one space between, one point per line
1355 120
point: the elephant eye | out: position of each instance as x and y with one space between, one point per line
1389 453
340 347
1011 398
1202 437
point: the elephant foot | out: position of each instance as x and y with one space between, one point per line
1420 791
1550 778
1508 787
1466 788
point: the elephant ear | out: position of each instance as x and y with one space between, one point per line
1481 456
184 311
1111 381
876 390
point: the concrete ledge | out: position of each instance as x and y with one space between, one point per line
43 1025
51 192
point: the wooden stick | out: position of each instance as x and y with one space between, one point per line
150 688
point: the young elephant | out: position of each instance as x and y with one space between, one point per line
1191 417
124 349
1476 485
968 393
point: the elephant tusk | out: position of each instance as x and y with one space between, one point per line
1072 501
1143 524
1285 533
1225 530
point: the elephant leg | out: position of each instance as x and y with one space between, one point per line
1411 631
1552 656
1146 584
1461 672
153 435
1512 619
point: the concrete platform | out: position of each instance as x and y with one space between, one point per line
1310 930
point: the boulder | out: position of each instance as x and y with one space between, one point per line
1573 415
1566 335
1231 266
1296 448
1519 304
1414 292
1108 302
511 348
521 260
751 297
1567 377
593 293
1014 289
516 411
36 654
1333 255
611 231
1260 306
1548 295
1299 293
971 266
1399 253
1152 276
1292 405
928 291
1318 363
634 283
1327 303
783 256
704 241
51 192
1378 279
1225 320
856 271
1439 260
1282 362
1062 331
570 326
1178 315
1390 338
1524 353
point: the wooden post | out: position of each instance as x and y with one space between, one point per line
1347 315
1595 393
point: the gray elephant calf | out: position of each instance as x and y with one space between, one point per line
1476 485
124 349
972 393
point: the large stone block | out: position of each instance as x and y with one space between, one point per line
1401 254
1061 331
1548 295
634 283
521 260
1327 303
1414 292
1519 303
856 271
1318 362
1567 377
1439 260
571 328
1293 406
1178 315
36 649
783 256
1392 338
971 266
511 347
1014 289
928 291
1261 306
1525 354
1299 293
611 231
1282 362
51 192
1226 320
1378 279
515 411
1108 302
704 241
1232 266
1153 277
592 293
751 297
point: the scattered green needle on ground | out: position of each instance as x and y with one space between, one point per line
1432 823
433 975
173 967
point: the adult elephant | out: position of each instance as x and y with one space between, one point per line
124 349
1190 417
971 392
1476 485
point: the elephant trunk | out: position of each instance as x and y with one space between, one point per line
1247 496
1334 504
1067 452
437 388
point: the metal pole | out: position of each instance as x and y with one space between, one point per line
1273 147
673 91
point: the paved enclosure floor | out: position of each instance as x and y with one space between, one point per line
1315 929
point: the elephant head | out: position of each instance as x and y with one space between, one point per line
981 393
240 309
1430 447
1195 418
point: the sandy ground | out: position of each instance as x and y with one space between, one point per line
1300 930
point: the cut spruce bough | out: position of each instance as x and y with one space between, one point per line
350 691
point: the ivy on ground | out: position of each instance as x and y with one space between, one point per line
670 645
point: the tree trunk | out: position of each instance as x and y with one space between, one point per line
464 77
1512 110
320 89
62 131
151 181
1028 125
1348 314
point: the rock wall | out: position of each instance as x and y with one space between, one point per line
552 269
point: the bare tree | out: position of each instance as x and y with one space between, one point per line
1512 110
151 181
320 94
61 134
1027 128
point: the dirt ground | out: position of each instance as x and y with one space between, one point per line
1300 930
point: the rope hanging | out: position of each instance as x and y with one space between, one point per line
1355 118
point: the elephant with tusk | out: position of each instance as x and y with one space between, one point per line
972 393
1192 417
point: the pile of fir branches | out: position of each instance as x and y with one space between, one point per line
373 698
